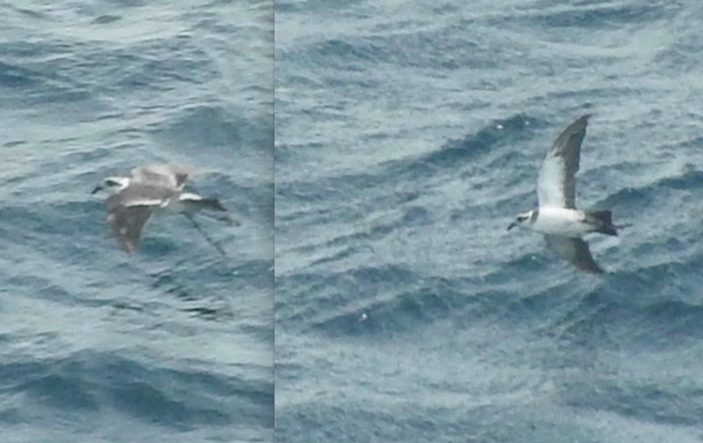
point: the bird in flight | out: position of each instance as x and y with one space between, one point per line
556 217
154 189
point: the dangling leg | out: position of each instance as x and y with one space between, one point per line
209 207
223 217
205 235
226 218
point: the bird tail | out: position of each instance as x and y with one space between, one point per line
602 221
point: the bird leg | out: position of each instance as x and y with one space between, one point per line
209 239
222 217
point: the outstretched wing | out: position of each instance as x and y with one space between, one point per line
129 210
127 223
556 185
575 251
167 175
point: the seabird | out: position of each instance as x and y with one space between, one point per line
154 189
557 218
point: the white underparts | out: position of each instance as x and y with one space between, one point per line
561 221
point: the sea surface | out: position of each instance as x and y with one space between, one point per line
408 136
173 344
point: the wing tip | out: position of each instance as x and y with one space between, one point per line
595 270
129 245
581 122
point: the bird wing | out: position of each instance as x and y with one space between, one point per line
171 176
556 185
127 223
130 209
138 194
575 251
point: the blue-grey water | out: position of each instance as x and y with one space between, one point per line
408 135
173 344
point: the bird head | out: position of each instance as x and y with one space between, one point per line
523 219
114 184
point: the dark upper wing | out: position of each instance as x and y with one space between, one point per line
127 223
556 185
574 250
127 220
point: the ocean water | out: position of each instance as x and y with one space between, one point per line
173 344
408 135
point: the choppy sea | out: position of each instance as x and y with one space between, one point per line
173 344
408 135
